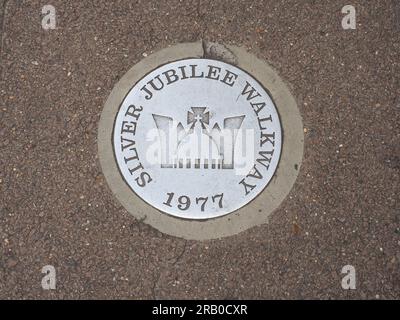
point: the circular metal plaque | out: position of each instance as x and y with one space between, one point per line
197 138
201 148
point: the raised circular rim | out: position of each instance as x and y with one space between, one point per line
254 213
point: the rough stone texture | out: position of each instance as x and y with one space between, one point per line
55 207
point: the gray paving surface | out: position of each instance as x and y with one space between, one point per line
55 207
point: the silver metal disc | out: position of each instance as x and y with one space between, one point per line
197 138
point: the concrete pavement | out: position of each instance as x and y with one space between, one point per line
56 208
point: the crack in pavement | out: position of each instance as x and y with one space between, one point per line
158 278
218 51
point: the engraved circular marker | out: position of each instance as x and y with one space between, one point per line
201 148
197 138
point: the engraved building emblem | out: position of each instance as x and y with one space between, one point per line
198 145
